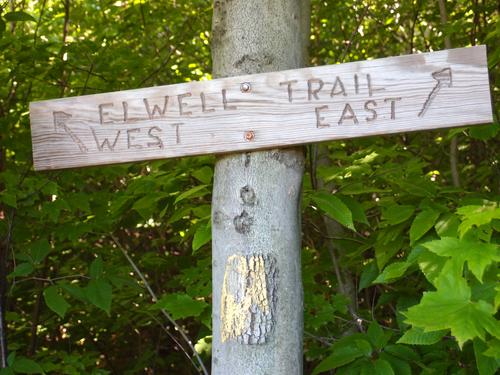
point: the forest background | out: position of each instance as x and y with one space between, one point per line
400 233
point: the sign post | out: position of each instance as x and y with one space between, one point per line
262 111
396 94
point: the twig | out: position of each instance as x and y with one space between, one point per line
163 311
454 142
157 70
323 340
313 164
12 23
174 339
64 75
36 313
35 34
353 34
141 8
49 279
4 250
341 283
327 237
3 336
415 19
87 79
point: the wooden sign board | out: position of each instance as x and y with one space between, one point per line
396 94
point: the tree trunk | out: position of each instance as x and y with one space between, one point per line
257 287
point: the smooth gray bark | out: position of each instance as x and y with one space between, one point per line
257 286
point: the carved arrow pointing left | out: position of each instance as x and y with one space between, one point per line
60 119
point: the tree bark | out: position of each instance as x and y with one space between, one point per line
256 235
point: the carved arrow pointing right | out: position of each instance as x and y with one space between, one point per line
443 78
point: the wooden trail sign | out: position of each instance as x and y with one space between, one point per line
395 94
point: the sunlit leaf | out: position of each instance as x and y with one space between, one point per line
334 208
417 336
422 223
202 236
478 255
197 191
450 307
392 272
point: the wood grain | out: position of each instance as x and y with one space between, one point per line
396 94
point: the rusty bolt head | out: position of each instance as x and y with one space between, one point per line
245 87
249 135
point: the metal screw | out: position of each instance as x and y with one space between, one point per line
245 87
249 135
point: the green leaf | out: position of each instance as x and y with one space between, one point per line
197 191
417 336
11 358
478 255
402 351
450 307
369 273
78 201
334 208
493 350
377 336
385 251
396 213
180 214
22 269
6 370
360 188
367 158
399 366
26 366
484 132
204 174
39 250
447 225
382 367
181 305
9 199
365 368
392 272
99 293
202 235
344 351
485 365
18 16
357 210
416 187
476 216
75 291
147 205
422 223
431 265
96 268
2 26
55 301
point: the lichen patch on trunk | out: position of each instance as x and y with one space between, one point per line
248 305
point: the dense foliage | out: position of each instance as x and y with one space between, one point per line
399 262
